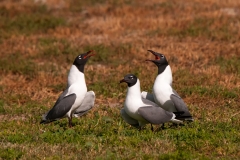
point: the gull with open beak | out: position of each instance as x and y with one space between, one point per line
163 93
75 100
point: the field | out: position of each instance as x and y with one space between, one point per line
40 39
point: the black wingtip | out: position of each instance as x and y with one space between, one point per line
46 121
185 118
42 122
179 113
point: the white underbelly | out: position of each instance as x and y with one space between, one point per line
162 98
133 111
80 91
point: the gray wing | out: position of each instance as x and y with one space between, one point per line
128 119
61 96
61 108
87 104
179 104
148 96
155 115
148 102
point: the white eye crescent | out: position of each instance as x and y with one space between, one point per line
162 56
79 57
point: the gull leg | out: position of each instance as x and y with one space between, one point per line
163 126
70 122
151 127
139 128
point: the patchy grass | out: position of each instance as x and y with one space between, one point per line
17 64
14 21
31 23
229 65
39 41
200 27
10 154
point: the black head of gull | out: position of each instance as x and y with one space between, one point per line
130 79
82 59
160 61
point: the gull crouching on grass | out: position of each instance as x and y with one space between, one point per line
75 100
138 111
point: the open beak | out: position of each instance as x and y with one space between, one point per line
151 51
88 54
156 56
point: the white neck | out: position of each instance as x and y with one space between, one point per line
134 91
165 76
75 76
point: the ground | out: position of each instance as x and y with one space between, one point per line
39 40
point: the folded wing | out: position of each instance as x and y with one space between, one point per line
60 108
155 115
180 106
87 104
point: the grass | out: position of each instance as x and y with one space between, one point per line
40 41
16 64
229 65
200 27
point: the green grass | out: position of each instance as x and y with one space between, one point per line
17 64
31 23
200 27
50 48
229 65
2 110
38 20
9 154
111 138
211 91
36 56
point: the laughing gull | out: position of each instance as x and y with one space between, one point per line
163 93
138 111
75 100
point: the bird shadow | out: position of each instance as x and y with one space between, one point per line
169 126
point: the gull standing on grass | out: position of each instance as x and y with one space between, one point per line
138 111
75 100
163 93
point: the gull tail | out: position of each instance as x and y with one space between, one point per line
178 113
185 118
45 120
174 120
179 116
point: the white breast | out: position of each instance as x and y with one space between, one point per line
133 102
80 90
75 76
77 85
165 76
162 89
162 94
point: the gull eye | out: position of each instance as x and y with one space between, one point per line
79 57
131 77
162 56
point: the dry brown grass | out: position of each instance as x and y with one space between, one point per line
200 39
